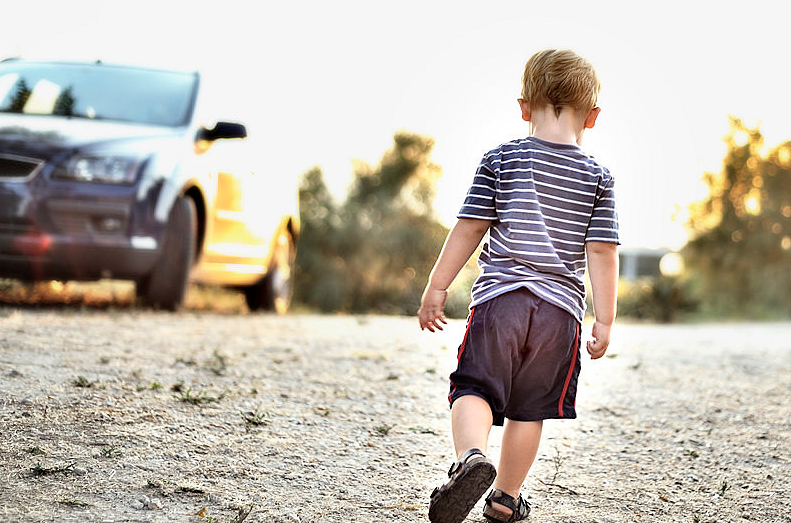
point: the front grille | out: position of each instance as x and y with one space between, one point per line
71 223
17 226
18 167
92 218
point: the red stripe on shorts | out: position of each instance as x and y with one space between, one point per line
570 373
461 351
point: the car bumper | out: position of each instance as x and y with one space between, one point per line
83 238
42 257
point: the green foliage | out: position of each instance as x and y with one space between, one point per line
739 253
372 252
255 418
660 299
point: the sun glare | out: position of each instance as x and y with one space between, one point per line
741 138
753 205
671 264
784 156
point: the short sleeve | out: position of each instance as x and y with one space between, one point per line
603 226
480 200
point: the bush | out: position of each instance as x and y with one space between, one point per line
660 298
371 252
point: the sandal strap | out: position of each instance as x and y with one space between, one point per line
463 459
506 500
520 509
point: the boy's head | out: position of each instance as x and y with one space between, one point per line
560 78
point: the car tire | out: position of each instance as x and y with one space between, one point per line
273 292
166 285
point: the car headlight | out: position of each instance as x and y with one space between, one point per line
101 169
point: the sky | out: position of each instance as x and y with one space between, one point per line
327 83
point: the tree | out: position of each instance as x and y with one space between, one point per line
373 252
65 103
739 252
21 94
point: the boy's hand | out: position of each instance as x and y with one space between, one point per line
431 313
601 340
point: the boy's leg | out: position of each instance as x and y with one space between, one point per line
473 473
519 449
471 422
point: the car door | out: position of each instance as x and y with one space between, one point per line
236 248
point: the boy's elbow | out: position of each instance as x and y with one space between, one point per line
601 248
474 226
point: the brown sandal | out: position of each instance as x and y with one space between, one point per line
469 479
519 507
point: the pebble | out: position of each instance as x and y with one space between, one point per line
146 503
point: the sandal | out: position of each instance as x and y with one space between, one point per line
469 479
519 507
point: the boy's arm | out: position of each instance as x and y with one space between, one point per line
461 242
603 272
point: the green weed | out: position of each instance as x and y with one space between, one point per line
188 396
383 429
110 452
557 461
218 364
73 502
423 430
40 470
254 418
188 489
82 382
322 411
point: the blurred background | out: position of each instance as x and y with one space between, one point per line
383 110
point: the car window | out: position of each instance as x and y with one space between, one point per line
97 91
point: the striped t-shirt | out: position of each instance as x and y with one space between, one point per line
545 201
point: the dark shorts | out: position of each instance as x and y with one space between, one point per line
521 354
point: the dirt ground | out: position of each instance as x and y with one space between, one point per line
118 414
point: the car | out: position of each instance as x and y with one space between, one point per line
123 172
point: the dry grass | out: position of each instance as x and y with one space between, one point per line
111 295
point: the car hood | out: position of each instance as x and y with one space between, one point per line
41 136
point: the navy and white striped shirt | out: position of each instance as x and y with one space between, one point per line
545 201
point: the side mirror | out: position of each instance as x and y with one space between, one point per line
222 130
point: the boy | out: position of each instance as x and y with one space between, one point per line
546 205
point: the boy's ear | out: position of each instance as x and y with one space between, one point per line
590 120
525 106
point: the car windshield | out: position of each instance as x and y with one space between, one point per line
97 91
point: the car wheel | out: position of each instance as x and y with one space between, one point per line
273 292
166 285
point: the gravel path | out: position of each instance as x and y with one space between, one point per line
128 415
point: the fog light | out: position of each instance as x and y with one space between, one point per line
110 224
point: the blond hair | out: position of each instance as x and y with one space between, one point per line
560 78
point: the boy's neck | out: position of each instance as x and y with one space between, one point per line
565 127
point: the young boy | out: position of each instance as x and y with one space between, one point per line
546 205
